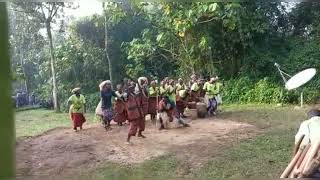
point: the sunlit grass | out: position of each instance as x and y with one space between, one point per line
35 122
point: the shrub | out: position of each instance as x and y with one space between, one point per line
244 90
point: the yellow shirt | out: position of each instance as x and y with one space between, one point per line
77 103
210 89
153 91
195 87
163 91
182 93
180 87
311 129
171 93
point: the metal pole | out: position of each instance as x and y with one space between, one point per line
7 133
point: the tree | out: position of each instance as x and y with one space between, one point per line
26 46
46 13
106 43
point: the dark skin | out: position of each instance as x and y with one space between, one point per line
106 88
120 90
130 93
77 93
166 100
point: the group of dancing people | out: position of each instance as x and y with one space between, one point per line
132 101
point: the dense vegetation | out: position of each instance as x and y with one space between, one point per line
240 42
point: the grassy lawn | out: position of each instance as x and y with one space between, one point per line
34 122
263 155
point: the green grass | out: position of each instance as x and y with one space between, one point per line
164 166
266 154
35 122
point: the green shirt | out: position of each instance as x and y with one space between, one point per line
153 91
77 103
212 89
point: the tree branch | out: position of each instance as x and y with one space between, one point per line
55 12
50 10
43 14
208 20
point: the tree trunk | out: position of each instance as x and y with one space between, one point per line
24 72
106 45
7 132
52 62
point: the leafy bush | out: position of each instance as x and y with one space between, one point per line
244 90
92 101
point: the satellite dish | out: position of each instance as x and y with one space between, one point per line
300 78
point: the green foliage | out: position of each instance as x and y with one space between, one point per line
239 41
244 90
92 101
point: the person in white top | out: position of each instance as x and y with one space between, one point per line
310 128
311 131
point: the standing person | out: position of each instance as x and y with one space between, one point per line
153 99
135 114
106 94
171 92
182 101
77 108
126 83
202 93
162 89
212 90
120 107
195 89
218 87
142 90
180 85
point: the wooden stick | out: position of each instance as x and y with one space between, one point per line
294 160
296 171
297 146
303 164
313 152
312 168
291 165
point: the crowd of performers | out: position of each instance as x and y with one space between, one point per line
133 101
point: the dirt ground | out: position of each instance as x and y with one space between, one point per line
62 152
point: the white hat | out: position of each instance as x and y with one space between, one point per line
75 89
103 83
142 79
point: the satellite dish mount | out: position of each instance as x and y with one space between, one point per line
297 80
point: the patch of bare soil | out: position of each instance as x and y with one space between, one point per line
63 152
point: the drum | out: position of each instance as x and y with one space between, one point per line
201 110
193 114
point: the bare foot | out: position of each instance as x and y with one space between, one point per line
128 143
142 136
